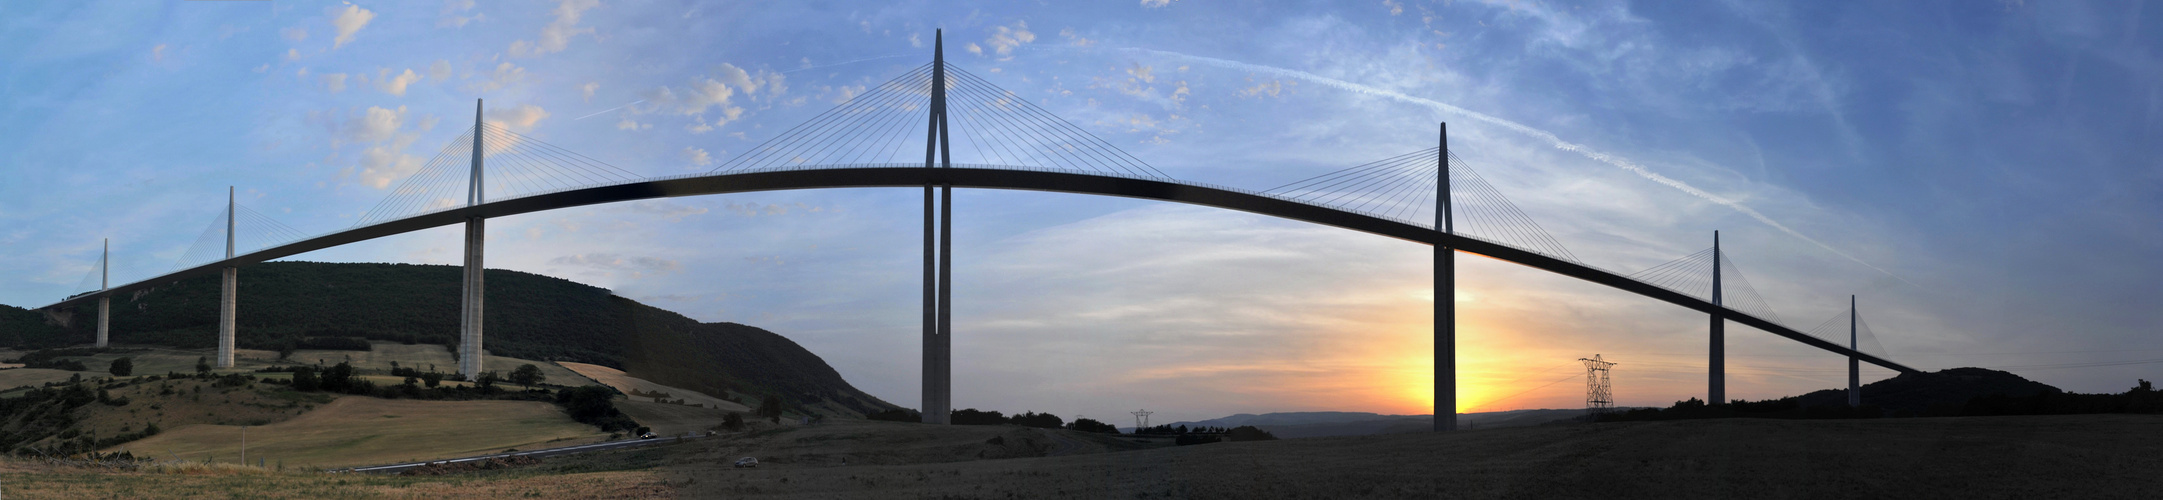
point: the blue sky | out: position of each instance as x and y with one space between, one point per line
1977 171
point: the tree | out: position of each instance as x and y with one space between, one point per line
487 380
527 375
123 367
431 378
202 365
771 408
733 422
304 379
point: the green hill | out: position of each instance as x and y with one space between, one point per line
528 316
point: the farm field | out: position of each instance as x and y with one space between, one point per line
355 430
626 383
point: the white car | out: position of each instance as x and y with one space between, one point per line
746 463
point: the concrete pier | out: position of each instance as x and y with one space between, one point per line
229 294
471 356
1716 365
1445 298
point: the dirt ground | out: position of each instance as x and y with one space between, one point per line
2091 456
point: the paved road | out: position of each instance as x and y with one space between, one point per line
611 445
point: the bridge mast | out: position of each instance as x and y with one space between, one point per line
1445 297
469 336
105 302
229 293
938 308
1855 388
1716 379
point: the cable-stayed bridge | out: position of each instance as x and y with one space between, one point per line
1430 197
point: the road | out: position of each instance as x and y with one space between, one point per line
611 445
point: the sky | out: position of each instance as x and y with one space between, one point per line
1980 174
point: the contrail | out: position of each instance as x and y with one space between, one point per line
608 110
1588 152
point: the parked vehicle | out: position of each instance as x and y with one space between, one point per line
746 463
648 435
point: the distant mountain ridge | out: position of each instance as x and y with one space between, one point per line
528 316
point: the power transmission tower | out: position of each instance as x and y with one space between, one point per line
1141 420
1599 395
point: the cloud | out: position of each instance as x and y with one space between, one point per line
716 92
294 34
157 54
1075 39
263 68
670 210
634 266
335 82
520 118
629 124
697 157
1004 39
506 74
557 35
440 70
1271 88
292 54
1548 137
395 85
1156 3
348 22
587 90
387 132
450 17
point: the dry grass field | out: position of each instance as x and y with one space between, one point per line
2088 456
2084 456
34 481
626 383
356 430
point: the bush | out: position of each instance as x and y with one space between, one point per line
123 367
972 416
897 415
1038 420
594 405
1091 425
1248 433
733 422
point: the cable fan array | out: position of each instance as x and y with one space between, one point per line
1692 275
1402 188
1835 330
514 166
90 281
986 125
251 231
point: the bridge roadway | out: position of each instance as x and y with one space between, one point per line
992 177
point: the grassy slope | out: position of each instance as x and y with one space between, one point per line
357 430
529 317
36 481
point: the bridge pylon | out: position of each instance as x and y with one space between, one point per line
1445 296
105 302
1716 364
229 292
470 355
1855 378
938 303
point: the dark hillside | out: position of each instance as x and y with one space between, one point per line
1944 390
26 329
528 316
